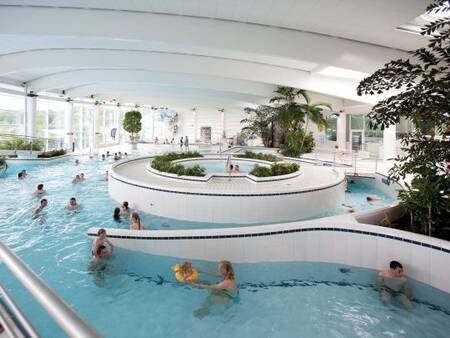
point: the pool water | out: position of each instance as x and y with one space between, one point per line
220 166
137 296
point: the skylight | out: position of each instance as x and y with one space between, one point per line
342 73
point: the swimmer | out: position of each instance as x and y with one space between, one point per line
98 263
136 222
236 169
116 215
77 179
222 292
186 271
103 157
125 209
125 154
77 162
106 175
39 190
73 204
349 207
81 177
231 169
393 283
24 173
372 198
108 154
20 176
102 240
41 206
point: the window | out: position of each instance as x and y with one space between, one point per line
331 130
12 114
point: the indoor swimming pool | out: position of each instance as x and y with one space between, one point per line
138 293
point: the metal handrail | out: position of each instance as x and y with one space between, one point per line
18 314
62 313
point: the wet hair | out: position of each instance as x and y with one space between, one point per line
40 186
19 175
394 265
100 248
116 215
231 167
229 271
43 200
73 199
135 216
125 204
101 231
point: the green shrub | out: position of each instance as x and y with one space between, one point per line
52 153
164 163
292 144
275 169
20 143
258 156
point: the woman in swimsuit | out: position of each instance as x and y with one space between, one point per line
222 293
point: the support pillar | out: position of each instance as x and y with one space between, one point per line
194 116
31 106
119 132
153 124
389 142
68 125
342 131
223 119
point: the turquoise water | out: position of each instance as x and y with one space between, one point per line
220 166
137 296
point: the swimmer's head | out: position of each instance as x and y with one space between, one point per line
116 214
44 202
40 186
73 201
396 268
125 205
19 175
186 267
102 251
226 270
101 233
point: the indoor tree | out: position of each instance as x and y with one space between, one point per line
259 123
132 124
423 82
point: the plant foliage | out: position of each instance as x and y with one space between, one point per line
275 169
164 163
259 123
3 166
52 153
21 143
258 156
132 123
424 84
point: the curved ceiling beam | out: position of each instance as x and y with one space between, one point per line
188 64
174 33
120 89
77 78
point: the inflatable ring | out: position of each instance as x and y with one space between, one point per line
180 276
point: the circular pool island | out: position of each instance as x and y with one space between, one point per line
221 197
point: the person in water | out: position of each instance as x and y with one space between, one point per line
136 223
20 176
77 162
73 204
223 292
372 198
125 209
24 173
393 283
186 271
102 240
41 206
39 190
116 215
77 179
82 177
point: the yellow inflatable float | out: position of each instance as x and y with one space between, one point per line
181 270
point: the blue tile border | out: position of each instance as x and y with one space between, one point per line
280 232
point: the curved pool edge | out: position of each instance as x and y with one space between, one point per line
330 240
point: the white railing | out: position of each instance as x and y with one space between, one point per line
63 314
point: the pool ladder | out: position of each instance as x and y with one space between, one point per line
12 319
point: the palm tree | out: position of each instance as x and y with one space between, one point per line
314 113
259 123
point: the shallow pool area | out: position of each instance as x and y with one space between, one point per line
138 292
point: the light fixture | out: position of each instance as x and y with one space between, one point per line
342 72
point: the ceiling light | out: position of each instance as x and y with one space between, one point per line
342 72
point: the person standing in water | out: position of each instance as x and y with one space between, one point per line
181 142
186 143
223 292
393 283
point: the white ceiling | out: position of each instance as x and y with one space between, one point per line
232 52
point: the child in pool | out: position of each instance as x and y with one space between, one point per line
185 272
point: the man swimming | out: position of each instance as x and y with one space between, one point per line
393 283
73 204
41 206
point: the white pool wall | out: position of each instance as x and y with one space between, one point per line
425 259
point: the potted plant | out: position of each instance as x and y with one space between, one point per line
132 124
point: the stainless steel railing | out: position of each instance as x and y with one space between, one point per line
62 313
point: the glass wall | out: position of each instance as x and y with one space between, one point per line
331 130
12 114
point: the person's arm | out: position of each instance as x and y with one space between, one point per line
208 273
110 244
380 282
219 286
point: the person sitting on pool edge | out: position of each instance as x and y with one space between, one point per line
222 293
39 190
102 240
41 206
73 204
136 222
393 283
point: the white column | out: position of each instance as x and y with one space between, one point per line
31 103
194 116
389 142
68 124
153 124
96 123
342 131
119 132
46 127
93 119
